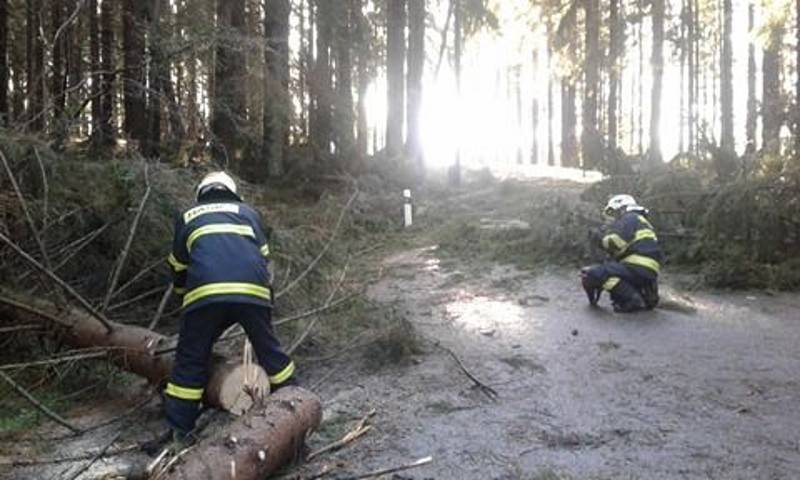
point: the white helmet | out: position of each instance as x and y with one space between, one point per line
216 180
621 203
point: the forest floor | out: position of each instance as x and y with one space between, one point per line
582 393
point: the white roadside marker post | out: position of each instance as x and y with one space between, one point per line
407 208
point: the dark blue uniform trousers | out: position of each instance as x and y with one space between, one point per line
199 329
621 280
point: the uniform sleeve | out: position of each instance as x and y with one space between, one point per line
178 259
261 237
619 236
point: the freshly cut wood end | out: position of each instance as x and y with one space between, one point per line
236 386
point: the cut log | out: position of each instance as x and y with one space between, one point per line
132 348
257 444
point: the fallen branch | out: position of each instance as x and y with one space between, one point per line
45 189
487 390
301 338
322 253
135 299
77 296
98 456
19 328
55 361
386 471
74 458
155 264
124 255
25 210
36 403
161 306
357 432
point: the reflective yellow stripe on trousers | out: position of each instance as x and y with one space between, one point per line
283 375
184 393
226 289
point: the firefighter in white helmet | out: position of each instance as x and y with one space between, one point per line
631 274
220 261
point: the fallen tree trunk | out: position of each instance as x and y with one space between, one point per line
255 445
133 349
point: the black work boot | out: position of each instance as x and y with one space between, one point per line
626 298
650 295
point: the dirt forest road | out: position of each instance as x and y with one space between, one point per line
583 393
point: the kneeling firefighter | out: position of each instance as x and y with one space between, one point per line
631 275
220 264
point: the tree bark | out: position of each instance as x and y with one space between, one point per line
323 108
395 78
591 145
134 80
134 349
797 87
58 75
569 142
771 105
364 78
35 80
107 130
551 153
257 445
614 75
657 65
692 75
229 100
152 142
276 98
752 105
535 111
727 141
4 59
416 68
344 116
458 39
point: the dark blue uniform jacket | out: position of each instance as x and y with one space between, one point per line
220 254
632 240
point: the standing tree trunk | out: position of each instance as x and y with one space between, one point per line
771 105
535 111
416 66
276 98
321 127
107 65
134 80
153 110
35 80
551 153
229 101
569 141
458 38
591 146
94 66
752 112
657 65
797 87
4 57
58 76
683 48
692 74
640 82
726 81
345 120
613 76
362 61
395 87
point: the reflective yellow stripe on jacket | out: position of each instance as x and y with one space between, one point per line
176 264
217 228
642 261
226 289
